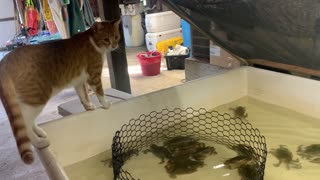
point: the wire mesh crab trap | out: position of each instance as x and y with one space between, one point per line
206 125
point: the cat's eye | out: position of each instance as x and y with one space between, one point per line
107 40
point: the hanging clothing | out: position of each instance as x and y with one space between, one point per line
31 18
87 13
76 23
56 9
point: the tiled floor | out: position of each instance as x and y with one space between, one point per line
11 166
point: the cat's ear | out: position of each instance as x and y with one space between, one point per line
97 26
116 22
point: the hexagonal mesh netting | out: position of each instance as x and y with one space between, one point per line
205 125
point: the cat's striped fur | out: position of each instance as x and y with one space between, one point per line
31 75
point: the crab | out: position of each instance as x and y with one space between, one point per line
309 152
284 155
239 111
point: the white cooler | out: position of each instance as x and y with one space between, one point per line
153 38
164 21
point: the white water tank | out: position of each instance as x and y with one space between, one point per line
132 30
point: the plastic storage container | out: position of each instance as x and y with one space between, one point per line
163 46
164 21
153 38
176 62
150 63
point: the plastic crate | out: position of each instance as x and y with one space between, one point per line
176 62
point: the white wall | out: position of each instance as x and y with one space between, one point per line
7 28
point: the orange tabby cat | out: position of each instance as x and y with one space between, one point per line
30 75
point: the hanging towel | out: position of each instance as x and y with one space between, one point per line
76 23
31 17
87 13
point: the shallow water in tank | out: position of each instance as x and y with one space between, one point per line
282 126
279 125
93 168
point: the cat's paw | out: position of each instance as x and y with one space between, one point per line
90 107
106 104
41 143
40 132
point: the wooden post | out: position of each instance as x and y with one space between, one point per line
117 60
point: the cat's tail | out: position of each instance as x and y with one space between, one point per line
11 105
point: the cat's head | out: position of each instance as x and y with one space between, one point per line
106 34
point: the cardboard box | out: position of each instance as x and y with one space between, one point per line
220 57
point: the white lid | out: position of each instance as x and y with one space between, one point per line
160 14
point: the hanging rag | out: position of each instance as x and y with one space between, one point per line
47 15
60 22
87 13
31 17
76 23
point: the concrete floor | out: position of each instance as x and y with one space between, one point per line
12 168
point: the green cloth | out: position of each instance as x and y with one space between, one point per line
76 23
65 2
87 13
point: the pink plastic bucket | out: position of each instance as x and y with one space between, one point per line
150 63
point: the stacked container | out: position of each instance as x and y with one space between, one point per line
160 27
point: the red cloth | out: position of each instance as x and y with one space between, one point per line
32 20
